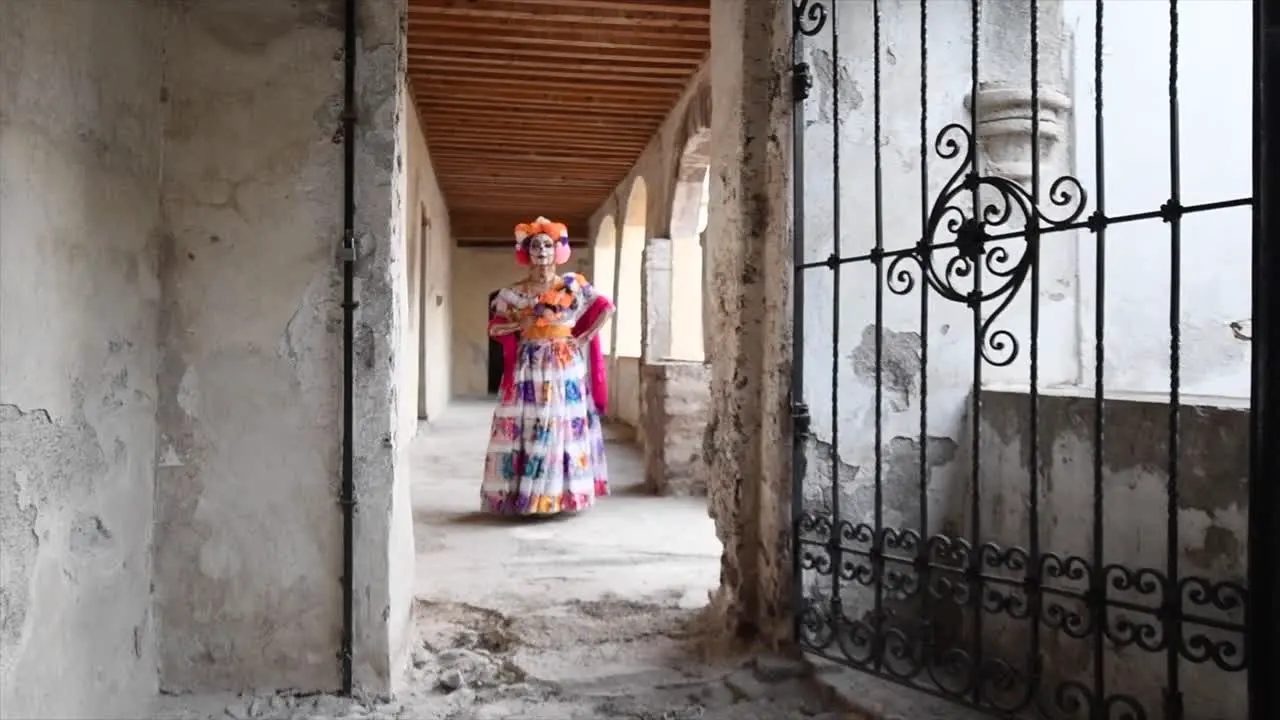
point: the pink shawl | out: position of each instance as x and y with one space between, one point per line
596 368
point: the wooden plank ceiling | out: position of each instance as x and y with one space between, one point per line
541 107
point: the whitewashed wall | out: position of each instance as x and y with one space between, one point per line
1215 116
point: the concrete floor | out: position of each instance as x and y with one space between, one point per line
593 616
628 546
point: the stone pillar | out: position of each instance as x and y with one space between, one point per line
618 226
384 551
747 439
707 317
1004 100
1003 134
656 293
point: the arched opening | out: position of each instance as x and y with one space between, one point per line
689 206
631 258
604 258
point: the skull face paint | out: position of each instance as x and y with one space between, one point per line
542 250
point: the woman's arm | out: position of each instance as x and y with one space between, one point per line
510 327
594 328
500 329
506 318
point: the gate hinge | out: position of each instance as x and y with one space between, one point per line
801 81
800 419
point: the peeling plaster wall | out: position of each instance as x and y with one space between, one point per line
1212 517
250 406
79 183
476 272
429 313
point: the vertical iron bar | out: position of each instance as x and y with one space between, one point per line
974 571
922 562
877 547
837 606
1033 462
1173 592
348 495
1097 581
799 439
1262 620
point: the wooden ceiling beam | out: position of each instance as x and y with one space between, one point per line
507 100
621 143
582 151
447 147
641 130
533 75
541 107
511 215
578 164
429 35
542 89
502 224
524 157
487 187
484 30
523 117
660 67
524 188
693 8
605 177
533 178
499 199
558 13
518 204
585 57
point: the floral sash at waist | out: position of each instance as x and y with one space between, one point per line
547 332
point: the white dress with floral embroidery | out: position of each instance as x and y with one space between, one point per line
546 445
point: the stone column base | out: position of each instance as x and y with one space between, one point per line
677 397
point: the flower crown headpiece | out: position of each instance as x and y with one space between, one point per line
558 232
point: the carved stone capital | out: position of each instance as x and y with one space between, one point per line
1004 127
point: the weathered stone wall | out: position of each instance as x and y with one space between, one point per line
80 152
251 385
749 253
675 416
172 212
384 517
428 311
249 391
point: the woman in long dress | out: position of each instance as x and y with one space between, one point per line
546 445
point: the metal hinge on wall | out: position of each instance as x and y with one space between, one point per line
801 81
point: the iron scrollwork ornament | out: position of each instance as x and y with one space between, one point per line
809 17
955 276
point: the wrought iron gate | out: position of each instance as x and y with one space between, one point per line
940 541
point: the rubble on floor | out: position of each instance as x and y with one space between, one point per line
602 660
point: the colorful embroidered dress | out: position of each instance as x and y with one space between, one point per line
546 445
